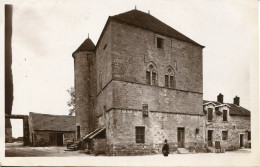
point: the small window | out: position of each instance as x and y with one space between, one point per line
145 109
210 114
139 134
224 115
105 46
249 135
159 42
224 135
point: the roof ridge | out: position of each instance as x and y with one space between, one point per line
50 114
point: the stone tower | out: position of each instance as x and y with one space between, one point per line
84 73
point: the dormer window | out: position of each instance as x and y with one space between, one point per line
159 42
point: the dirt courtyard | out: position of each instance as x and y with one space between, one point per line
241 157
17 149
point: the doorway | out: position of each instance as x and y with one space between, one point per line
78 132
210 132
181 137
241 140
59 139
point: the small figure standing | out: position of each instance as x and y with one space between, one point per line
165 149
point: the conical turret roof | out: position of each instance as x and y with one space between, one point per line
87 45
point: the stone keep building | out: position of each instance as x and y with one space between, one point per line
140 84
227 123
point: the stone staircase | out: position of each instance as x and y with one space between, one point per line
73 146
183 151
211 149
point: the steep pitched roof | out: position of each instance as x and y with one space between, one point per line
233 109
87 45
149 22
47 122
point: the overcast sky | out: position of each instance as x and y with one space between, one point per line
46 33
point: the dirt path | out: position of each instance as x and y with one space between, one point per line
18 150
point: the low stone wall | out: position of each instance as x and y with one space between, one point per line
41 139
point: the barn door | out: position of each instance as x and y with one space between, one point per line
181 137
241 140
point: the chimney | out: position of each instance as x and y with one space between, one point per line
236 100
220 98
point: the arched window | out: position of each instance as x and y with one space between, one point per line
151 74
169 78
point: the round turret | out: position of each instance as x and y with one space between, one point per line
82 57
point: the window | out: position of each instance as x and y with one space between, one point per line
166 81
210 114
148 78
224 115
151 74
159 42
169 78
139 134
249 135
105 46
224 135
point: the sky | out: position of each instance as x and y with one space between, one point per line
46 33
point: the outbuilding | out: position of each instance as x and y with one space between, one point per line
51 130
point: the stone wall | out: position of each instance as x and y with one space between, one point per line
41 138
133 96
133 48
68 137
158 127
8 135
104 61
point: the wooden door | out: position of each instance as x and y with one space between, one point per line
181 137
210 138
52 139
59 139
241 140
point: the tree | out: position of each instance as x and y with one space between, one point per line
71 102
